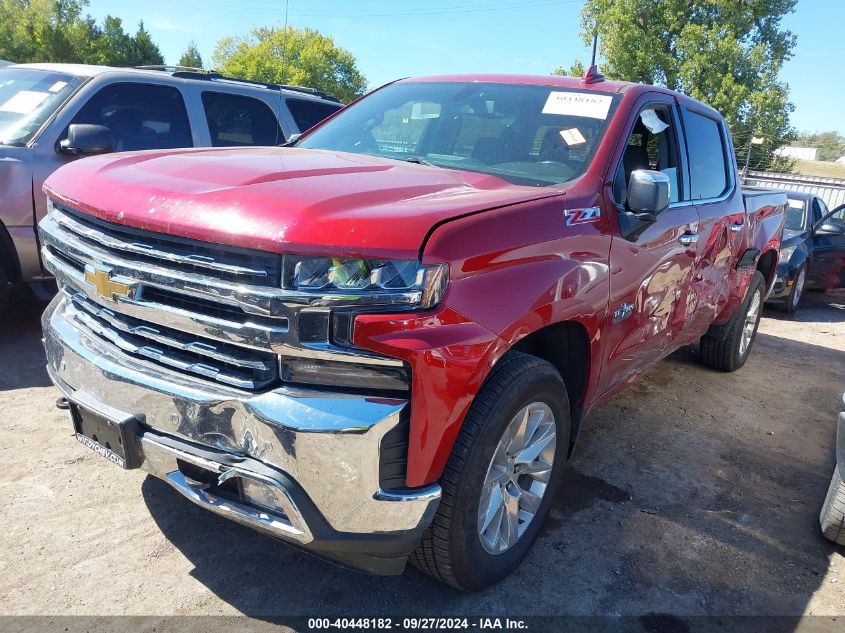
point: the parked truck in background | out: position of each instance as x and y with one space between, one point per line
52 114
382 343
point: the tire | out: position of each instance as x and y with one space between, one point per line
730 353
451 549
832 517
4 290
790 304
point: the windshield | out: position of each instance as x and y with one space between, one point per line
796 215
527 135
27 98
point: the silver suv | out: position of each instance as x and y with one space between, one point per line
51 114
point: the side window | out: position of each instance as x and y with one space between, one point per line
821 210
238 120
308 113
817 210
140 116
707 156
652 144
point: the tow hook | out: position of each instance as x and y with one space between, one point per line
62 404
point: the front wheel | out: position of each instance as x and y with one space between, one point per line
501 477
790 305
731 352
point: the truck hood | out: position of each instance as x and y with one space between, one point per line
282 199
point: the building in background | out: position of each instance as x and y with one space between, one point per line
802 153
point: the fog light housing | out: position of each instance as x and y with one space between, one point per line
262 496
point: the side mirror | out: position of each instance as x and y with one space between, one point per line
830 228
648 192
648 195
83 138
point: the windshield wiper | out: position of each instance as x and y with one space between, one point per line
419 161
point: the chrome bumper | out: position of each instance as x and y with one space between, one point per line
323 447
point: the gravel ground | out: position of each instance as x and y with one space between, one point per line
692 493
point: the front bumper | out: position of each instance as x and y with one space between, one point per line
316 452
784 280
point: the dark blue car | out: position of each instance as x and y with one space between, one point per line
812 253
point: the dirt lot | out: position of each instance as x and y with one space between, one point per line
694 492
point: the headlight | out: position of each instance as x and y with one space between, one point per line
786 253
334 281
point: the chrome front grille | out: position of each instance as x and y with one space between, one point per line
222 362
196 308
231 264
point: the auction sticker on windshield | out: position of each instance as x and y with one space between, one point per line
578 104
24 102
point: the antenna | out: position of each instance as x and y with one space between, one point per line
284 51
592 75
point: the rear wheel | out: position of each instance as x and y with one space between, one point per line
503 473
731 352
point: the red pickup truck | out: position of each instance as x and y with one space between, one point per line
380 344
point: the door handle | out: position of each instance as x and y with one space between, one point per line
736 227
688 239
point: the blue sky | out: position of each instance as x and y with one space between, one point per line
393 38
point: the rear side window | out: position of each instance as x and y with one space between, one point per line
707 156
308 113
140 116
238 120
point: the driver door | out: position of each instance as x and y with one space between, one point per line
827 270
650 273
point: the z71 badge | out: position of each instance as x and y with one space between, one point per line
581 216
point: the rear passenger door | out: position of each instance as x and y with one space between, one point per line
650 273
721 212
235 120
307 113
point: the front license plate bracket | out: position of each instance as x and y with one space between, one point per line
111 433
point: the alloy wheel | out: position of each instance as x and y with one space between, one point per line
517 477
750 325
799 287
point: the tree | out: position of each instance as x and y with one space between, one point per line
191 58
56 31
142 50
725 53
575 70
302 57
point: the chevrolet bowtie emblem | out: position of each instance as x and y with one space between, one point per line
107 287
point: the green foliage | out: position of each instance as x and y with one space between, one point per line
831 145
301 57
725 53
576 69
56 31
191 57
